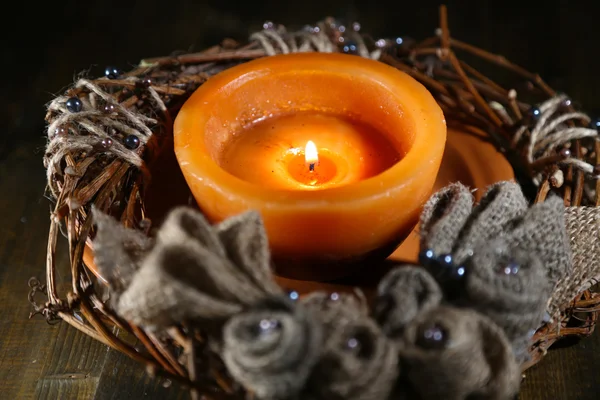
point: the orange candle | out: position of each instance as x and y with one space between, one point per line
338 153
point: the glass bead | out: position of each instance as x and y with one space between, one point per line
106 143
109 108
352 343
132 142
350 48
74 105
268 25
111 72
565 153
356 26
432 337
268 325
293 295
446 259
595 124
511 269
535 112
334 296
61 131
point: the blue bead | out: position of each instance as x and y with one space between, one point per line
74 105
268 325
399 40
460 271
447 259
334 296
511 268
132 142
350 48
426 257
294 295
595 124
111 72
535 112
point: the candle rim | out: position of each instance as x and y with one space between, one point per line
392 179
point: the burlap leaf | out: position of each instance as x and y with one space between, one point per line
455 354
187 275
542 231
403 294
502 203
118 251
443 216
272 348
246 245
358 362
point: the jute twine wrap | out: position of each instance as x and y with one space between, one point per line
583 228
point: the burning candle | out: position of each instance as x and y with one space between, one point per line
307 151
338 153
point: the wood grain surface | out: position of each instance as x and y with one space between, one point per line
38 361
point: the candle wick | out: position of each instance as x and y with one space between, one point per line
311 167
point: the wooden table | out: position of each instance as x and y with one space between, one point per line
57 362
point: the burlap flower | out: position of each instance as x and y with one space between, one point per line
357 362
501 258
272 348
194 271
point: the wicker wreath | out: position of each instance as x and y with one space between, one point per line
464 325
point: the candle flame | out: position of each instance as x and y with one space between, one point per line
311 155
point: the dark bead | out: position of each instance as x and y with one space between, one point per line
432 337
565 153
61 131
74 105
111 72
597 170
458 272
361 343
511 268
268 326
293 295
350 48
106 143
426 257
446 259
132 142
535 113
144 83
109 108
595 124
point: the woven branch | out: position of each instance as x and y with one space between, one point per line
100 156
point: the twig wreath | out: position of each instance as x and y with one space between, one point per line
498 282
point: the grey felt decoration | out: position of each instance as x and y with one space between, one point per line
467 357
358 361
189 273
272 348
512 255
403 294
